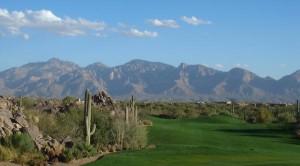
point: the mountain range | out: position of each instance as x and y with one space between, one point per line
147 81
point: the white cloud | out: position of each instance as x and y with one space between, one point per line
14 23
219 66
195 21
138 33
164 23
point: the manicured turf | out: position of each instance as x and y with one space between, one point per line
212 141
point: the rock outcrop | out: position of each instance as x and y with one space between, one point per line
13 121
103 99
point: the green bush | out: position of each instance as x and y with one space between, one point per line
68 100
286 117
102 135
264 115
31 158
20 142
78 151
28 102
61 125
7 154
137 137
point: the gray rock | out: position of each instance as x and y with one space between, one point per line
6 123
21 120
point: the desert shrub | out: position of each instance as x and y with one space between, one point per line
176 113
136 136
31 158
71 124
263 115
78 151
147 122
68 100
28 102
68 155
118 131
21 142
102 135
85 150
61 125
20 149
286 117
7 154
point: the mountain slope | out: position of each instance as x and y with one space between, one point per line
146 80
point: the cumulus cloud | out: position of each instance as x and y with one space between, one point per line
138 33
14 23
195 21
168 23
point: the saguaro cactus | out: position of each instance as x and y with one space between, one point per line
131 112
88 117
134 110
126 115
232 107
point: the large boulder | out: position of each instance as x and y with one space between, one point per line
53 149
36 136
6 124
5 103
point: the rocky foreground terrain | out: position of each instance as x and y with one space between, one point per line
13 121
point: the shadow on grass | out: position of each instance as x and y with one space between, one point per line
268 133
285 133
164 116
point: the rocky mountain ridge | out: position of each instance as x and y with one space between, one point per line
146 80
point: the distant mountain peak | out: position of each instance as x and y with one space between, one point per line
57 62
147 80
54 60
238 69
98 65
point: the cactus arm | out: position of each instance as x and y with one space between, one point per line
93 130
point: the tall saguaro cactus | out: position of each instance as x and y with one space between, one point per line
134 110
131 112
127 115
88 117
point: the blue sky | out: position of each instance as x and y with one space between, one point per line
260 35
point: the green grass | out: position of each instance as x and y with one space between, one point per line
212 141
